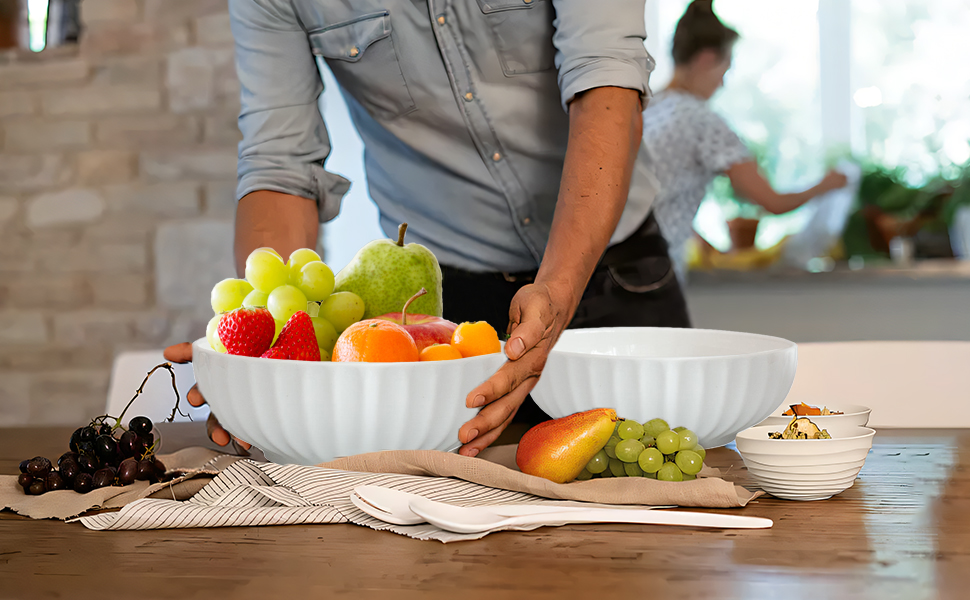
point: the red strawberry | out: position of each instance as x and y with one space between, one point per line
247 331
297 340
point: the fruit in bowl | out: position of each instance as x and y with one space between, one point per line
842 414
716 383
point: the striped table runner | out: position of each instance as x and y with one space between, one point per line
248 493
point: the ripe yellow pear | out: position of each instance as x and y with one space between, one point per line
559 449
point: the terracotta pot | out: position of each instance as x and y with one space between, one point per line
743 232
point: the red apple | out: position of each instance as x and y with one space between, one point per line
425 329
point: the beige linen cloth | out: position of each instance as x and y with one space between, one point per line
220 490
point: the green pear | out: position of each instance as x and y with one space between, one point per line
386 273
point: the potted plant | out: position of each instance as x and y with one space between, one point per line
742 217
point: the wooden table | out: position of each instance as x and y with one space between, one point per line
903 531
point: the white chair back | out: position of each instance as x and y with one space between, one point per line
906 384
157 398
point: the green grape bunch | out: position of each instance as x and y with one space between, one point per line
652 449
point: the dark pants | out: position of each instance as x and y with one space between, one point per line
633 286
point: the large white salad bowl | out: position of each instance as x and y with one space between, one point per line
715 383
312 412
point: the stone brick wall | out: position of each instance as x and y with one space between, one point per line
117 171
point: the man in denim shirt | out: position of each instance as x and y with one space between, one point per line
506 133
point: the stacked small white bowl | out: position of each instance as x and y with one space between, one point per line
808 469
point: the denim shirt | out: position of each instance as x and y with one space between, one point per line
461 105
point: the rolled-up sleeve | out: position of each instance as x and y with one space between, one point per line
285 141
600 44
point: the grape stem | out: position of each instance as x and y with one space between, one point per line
176 409
404 311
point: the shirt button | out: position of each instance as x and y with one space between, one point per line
496 157
354 51
441 20
526 220
527 1
469 97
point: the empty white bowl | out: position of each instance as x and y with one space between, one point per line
805 469
312 412
715 383
853 415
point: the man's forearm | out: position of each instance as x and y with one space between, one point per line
279 221
605 127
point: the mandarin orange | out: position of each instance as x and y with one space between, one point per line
440 352
475 339
375 340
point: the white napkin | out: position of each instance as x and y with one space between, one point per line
250 494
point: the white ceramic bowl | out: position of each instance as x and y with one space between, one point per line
805 469
715 383
312 412
854 415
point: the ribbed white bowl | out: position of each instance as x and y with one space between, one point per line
853 415
312 412
715 383
805 469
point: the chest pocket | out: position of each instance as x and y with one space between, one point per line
362 57
523 31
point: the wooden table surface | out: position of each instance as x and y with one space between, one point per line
903 531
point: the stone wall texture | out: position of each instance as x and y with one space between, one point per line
117 170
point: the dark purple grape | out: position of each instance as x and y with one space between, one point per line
70 470
128 443
88 463
141 425
76 439
67 455
105 429
83 483
23 466
146 470
106 448
88 434
37 487
24 480
160 467
85 447
38 466
55 482
103 477
127 471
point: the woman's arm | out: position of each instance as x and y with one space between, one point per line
604 135
751 185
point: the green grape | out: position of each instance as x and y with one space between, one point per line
212 334
584 475
650 475
670 472
342 309
700 452
629 430
298 259
228 294
266 271
325 356
655 427
668 442
616 467
650 460
316 281
689 477
285 301
628 450
326 334
598 463
610 447
279 328
688 439
689 462
605 474
255 299
678 429
648 440
632 470
270 250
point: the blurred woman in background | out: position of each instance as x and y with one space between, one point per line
691 144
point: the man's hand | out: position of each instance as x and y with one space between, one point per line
604 135
182 353
537 317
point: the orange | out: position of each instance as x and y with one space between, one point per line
475 339
375 340
440 352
